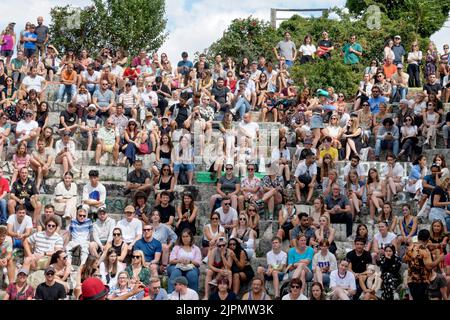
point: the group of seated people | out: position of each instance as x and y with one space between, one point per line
146 109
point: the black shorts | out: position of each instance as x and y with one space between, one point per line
27 205
7 53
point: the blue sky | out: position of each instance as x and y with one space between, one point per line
192 24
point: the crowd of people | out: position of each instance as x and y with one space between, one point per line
143 106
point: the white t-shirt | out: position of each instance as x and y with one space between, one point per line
26 127
347 281
33 83
227 218
189 295
150 98
288 297
130 229
382 242
117 71
276 259
325 261
397 171
359 169
251 128
308 49
93 78
20 228
302 169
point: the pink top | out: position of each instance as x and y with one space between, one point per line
447 260
21 161
179 253
8 42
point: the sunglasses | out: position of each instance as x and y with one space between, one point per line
50 274
64 258
51 226
214 218
82 215
229 168
232 244
251 210
136 257
148 230
251 169
242 219
227 204
117 234
221 245
294 286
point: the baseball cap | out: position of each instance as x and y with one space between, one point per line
400 66
101 210
129 209
148 114
92 107
397 37
22 270
404 101
93 289
181 280
254 62
49 269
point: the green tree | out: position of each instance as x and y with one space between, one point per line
248 37
131 24
424 16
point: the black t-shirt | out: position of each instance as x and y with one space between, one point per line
182 115
220 94
359 263
166 212
134 178
443 196
163 88
325 43
69 118
24 190
54 292
230 297
432 88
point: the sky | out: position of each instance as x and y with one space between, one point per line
192 24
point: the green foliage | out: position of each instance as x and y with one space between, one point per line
425 17
131 24
248 37
325 73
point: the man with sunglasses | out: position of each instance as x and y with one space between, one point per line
376 99
104 99
103 232
41 245
27 129
152 249
432 86
107 141
295 292
400 81
50 289
228 215
80 232
154 290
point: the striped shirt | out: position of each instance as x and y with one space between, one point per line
81 230
43 242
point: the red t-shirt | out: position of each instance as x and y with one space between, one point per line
4 185
447 260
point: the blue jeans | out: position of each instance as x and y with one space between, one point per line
384 144
242 106
69 90
3 211
191 276
177 167
17 244
91 87
289 63
403 91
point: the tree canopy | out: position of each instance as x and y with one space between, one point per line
131 25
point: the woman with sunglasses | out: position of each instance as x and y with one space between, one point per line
245 235
408 226
166 182
118 245
124 286
219 264
110 268
409 138
414 60
429 126
137 270
262 85
62 268
228 186
352 137
211 233
8 94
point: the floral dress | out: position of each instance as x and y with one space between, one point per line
390 274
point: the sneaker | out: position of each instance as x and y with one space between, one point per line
233 112
205 260
416 197
213 282
380 210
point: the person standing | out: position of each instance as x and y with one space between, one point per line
420 266
42 33
352 51
399 50
286 48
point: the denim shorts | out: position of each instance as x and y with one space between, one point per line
189 167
